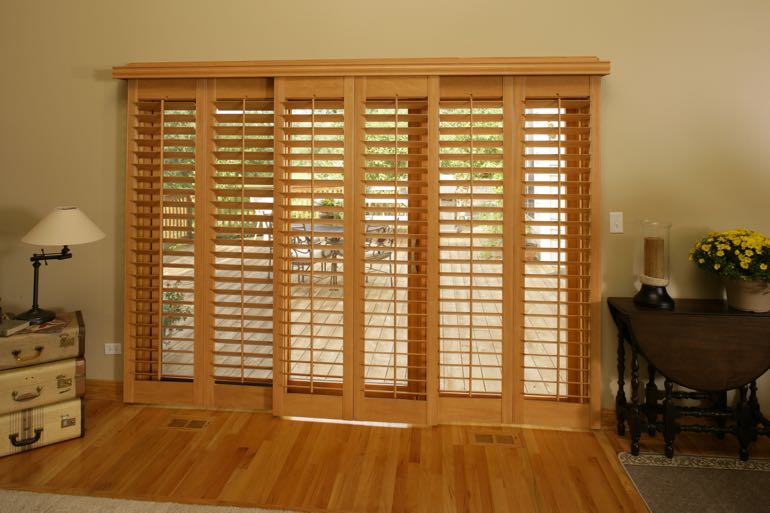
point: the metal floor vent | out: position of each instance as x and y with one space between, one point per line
495 439
187 423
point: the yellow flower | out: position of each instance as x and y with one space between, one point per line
701 260
737 252
745 264
763 267
706 247
749 253
720 253
717 266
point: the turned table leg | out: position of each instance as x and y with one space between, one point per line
669 418
721 405
651 400
747 420
635 420
620 397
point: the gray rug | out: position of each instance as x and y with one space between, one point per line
12 501
696 484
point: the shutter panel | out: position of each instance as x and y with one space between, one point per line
312 200
161 248
393 185
242 224
556 245
471 247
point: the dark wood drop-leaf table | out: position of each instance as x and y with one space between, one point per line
704 346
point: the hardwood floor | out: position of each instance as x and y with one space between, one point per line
255 459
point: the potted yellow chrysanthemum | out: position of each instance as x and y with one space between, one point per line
742 258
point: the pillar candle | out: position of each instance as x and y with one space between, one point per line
653 257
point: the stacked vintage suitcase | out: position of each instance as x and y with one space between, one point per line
42 384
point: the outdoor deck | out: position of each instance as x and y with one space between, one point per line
316 347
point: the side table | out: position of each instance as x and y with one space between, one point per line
702 345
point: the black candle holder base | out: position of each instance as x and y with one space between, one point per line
654 297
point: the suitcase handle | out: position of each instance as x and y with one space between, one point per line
28 441
20 398
17 354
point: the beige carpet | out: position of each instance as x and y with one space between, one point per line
685 484
12 501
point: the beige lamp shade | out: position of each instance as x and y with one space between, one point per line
64 226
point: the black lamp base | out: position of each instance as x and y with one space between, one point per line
654 297
37 316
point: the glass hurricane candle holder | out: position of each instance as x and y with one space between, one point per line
653 263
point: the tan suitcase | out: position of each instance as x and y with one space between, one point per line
63 339
29 429
38 385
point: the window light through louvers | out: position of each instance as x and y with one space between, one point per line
162 248
393 185
471 246
242 175
311 189
556 248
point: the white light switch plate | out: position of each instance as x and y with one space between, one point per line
616 222
112 349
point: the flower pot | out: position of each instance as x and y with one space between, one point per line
749 296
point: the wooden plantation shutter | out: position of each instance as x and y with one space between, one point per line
471 244
557 240
392 234
161 250
313 239
410 240
242 226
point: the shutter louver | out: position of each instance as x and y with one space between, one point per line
162 212
393 180
242 259
312 196
556 245
471 247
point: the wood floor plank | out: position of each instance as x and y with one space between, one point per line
255 459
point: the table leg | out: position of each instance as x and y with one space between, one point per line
670 414
745 428
651 400
635 421
620 397
763 425
721 404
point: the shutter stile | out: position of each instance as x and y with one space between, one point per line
242 210
393 180
557 248
471 247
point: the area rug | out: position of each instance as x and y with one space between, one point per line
697 484
12 501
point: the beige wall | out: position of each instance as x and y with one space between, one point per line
685 123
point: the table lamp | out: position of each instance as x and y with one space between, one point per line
64 226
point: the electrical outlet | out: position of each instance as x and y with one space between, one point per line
113 349
616 222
